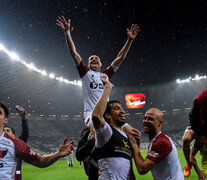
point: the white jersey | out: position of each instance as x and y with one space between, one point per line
162 151
111 168
92 85
9 149
70 157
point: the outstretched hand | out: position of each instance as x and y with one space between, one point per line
132 33
61 22
23 113
65 149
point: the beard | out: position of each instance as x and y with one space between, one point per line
121 122
150 132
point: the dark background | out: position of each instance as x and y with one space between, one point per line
172 44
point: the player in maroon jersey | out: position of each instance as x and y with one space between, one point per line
197 127
12 148
162 159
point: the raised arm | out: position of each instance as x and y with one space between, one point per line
65 26
100 107
47 160
132 33
143 165
25 129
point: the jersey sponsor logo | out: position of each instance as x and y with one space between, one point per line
3 153
153 154
125 144
94 85
1 165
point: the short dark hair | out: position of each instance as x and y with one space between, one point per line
12 129
108 108
6 111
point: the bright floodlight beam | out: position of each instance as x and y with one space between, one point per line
31 66
13 56
51 75
44 73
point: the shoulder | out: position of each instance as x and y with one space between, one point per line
162 141
160 148
110 70
22 151
82 69
17 142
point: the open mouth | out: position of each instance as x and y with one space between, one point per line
122 116
147 126
93 68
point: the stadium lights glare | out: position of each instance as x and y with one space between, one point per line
196 78
51 75
31 66
43 72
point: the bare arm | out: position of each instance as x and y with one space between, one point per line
65 26
142 165
201 175
132 33
47 160
99 109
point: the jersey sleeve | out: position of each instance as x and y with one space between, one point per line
160 150
25 131
82 69
109 71
103 135
23 152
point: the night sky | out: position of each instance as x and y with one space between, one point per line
172 42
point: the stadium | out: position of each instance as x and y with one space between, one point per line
41 76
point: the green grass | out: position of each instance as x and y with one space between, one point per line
61 171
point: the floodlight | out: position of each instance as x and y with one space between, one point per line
43 72
51 75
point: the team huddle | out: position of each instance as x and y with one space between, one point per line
108 143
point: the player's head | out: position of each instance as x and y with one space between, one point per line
152 121
198 114
9 130
114 113
4 113
94 63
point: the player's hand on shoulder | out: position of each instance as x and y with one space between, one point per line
134 137
137 135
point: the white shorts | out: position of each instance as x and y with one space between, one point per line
88 119
189 129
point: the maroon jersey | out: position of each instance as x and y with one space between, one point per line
10 149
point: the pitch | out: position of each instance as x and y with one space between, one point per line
61 171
